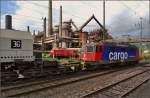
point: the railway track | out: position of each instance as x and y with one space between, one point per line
16 81
82 88
10 77
26 89
38 86
42 88
44 80
121 88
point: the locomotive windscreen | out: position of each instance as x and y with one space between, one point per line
91 48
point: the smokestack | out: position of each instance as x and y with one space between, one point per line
34 31
28 29
44 27
8 22
60 24
50 25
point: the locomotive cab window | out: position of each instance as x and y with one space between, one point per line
90 48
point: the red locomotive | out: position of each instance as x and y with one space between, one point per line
102 53
63 52
67 58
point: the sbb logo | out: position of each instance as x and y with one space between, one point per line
118 56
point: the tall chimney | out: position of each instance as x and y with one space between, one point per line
50 25
60 24
34 31
44 27
8 22
28 29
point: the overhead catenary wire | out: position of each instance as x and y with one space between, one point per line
65 12
40 5
35 10
26 16
20 24
84 3
130 9
19 18
88 5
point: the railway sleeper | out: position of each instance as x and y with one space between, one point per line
123 88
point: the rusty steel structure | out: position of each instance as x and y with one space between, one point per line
65 37
93 17
96 35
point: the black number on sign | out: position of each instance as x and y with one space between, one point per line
15 43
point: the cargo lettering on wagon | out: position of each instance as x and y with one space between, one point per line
118 56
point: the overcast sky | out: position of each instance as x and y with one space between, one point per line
122 17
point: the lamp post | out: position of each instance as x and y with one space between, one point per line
104 19
141 28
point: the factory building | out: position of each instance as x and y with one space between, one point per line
69 38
